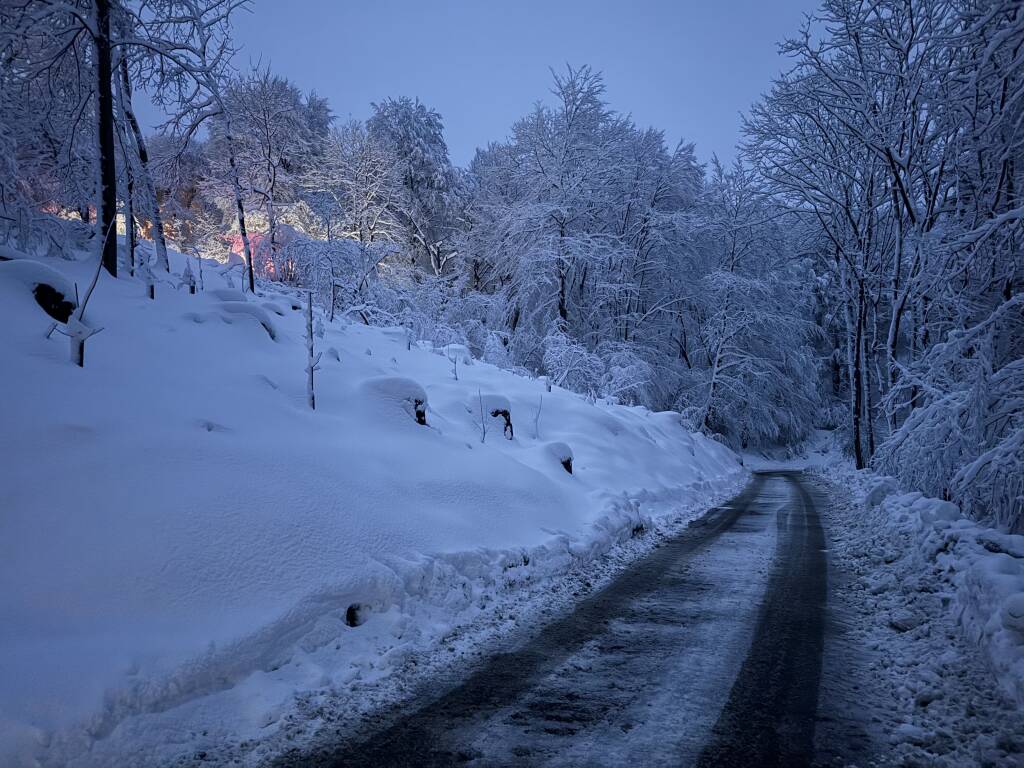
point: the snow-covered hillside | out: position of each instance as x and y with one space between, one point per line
176 521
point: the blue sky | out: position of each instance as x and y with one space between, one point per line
686 67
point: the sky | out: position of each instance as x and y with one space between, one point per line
688 67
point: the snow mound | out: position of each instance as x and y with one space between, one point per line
496 412
982 568
52 292
31 273
926 629
395 394
877 494
245 309
273 306
458 352
227 294
186 547
561 453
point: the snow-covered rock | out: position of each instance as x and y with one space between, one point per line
31 273
497 413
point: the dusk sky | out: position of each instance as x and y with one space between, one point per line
686 67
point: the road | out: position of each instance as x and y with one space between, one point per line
706 652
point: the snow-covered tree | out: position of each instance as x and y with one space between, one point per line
271 136
428 193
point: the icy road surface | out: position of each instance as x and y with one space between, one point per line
706 652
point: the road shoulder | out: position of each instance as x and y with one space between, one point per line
319 721
902 684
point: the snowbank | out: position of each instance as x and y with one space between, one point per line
184 544
31 274
979 570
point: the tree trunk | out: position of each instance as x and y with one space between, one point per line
107 213
858 382
129 177
162 261
705 419
858 391
563 311
311 359
129 216
868 404
237 185
272 231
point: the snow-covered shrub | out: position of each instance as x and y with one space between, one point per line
53 292
338 272
690 417
570 365
628 378
497 413
495 351
396 394
459 352
246 309
188 279
561 453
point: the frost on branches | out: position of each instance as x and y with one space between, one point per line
857 268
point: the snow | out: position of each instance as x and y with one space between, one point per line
246 309
816 451
982 568
936 601
183 539
32 273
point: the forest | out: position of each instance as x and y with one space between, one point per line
858 267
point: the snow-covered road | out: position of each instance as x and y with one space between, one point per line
708 651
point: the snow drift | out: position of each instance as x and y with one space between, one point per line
183 541
980 569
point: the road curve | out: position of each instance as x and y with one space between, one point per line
706 652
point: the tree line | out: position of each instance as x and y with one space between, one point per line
896 141
856 268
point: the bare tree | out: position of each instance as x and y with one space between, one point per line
133 137
312 360
189 74
482 416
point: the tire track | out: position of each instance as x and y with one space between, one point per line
770 715
679 659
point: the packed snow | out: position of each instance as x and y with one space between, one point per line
181 532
